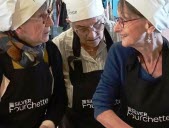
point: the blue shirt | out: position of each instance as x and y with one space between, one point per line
113 77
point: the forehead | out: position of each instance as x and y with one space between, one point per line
88 22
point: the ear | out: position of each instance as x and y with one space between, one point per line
18 30
74 29
150 28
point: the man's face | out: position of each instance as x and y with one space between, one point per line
90 31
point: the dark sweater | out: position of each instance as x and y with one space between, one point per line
30 97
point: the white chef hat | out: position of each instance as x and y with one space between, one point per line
83 9
156 11
16 12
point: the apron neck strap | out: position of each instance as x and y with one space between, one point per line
165 57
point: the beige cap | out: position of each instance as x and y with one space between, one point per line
156 11
16 12
83 9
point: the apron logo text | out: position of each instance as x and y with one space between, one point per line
143 116
87 103
26 104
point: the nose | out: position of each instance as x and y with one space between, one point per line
91 34
49 22
117 27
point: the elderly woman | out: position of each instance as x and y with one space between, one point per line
136 69
35 95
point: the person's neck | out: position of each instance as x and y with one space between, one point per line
90 50
150 51
150 57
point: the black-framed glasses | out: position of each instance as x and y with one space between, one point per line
50 4
121 21
46 15
97 27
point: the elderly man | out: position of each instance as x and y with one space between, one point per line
84 49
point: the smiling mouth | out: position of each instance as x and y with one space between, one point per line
122 36
46 33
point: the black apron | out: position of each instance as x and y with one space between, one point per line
81 115
145 104
25 101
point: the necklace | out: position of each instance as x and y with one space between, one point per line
154 66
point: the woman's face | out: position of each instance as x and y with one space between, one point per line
37 29
90 31
131 28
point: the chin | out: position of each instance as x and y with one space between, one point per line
93 43
126 43
45 39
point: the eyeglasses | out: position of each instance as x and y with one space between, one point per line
47 15
44 16
97 27
121 21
